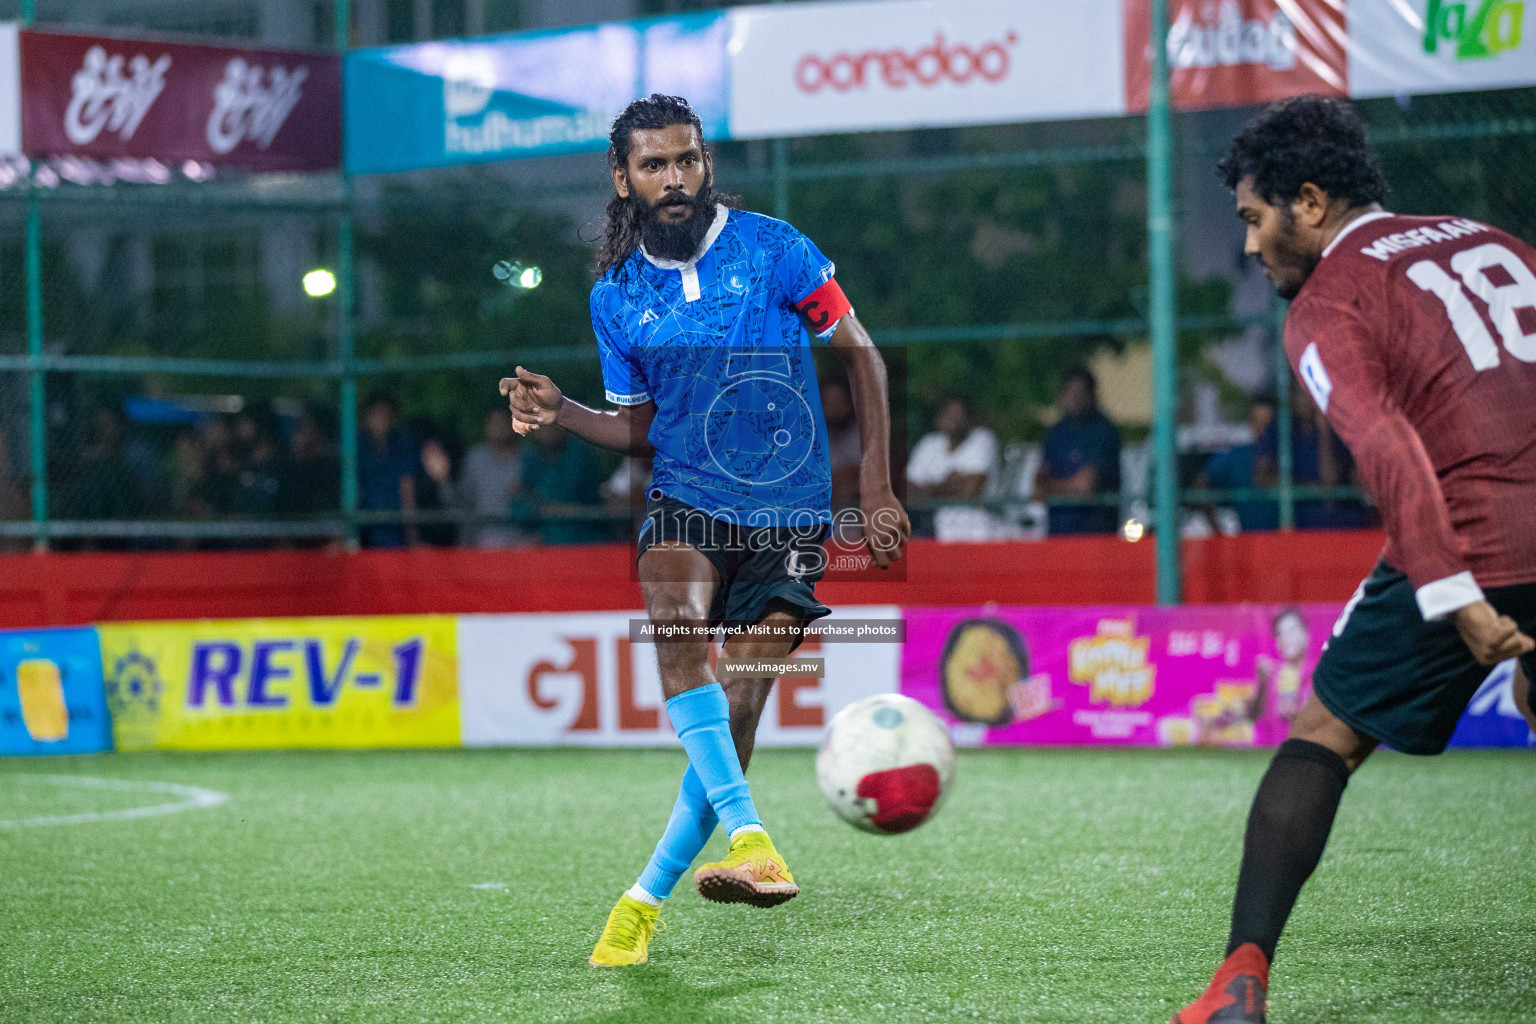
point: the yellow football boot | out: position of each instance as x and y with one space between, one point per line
752 872
627 935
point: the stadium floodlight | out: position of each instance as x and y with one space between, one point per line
518 276
319 283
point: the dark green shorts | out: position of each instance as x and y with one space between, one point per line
1392 676
757 566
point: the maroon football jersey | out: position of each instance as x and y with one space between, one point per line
1417 338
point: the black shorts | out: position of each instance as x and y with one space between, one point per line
1390 675
757 566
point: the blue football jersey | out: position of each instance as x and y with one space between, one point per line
718 345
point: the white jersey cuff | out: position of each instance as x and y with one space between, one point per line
831 328
1448 596
617 399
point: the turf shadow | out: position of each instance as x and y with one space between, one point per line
656 994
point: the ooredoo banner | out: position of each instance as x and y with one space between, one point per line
801 69
102 97
583 680
249 684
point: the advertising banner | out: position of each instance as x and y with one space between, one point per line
1429 46
1492 718
1231 676
247 684
800 69
582 680
1226 53
10 89
267 110
51 697
527 93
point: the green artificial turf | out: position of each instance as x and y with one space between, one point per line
1060 886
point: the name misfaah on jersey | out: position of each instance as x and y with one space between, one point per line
1416 336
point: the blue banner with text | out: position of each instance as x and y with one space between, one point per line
525 94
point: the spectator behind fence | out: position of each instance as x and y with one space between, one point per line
186 471
489 481
1240 467
957 462
1081 460
844 451
1318 457
14 506
257 464
312 472
387 461
560 479
434 480
221 469
99 485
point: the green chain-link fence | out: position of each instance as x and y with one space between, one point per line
194 395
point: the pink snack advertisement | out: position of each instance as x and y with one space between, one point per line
1228 676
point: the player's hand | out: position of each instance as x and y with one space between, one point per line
886 526
533 398
434 459
1491 637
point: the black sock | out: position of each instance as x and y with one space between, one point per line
1287 829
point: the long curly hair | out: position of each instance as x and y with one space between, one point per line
1302 139
621 226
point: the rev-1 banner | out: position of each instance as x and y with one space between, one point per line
266 110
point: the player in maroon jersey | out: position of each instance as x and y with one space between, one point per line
1416 336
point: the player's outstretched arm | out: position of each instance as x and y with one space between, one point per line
1347 377
1491 637
536 402
886 526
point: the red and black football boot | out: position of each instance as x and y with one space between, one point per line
1238 993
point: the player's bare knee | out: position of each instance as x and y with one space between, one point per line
1316 724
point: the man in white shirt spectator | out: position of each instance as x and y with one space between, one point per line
957 462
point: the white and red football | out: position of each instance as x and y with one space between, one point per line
885 764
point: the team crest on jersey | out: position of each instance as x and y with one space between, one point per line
736 277
649 317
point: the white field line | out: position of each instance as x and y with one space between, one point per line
193 797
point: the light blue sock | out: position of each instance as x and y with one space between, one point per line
693 821
702 718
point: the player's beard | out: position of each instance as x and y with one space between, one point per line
1288 264
681 240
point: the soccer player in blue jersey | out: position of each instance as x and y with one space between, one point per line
703 316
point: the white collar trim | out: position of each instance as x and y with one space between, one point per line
1359 221
721 216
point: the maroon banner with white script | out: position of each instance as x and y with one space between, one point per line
266 110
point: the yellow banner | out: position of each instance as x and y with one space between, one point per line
250 684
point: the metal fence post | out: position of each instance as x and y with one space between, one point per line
1285 433
781 178
346 342
37 393
1164 312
